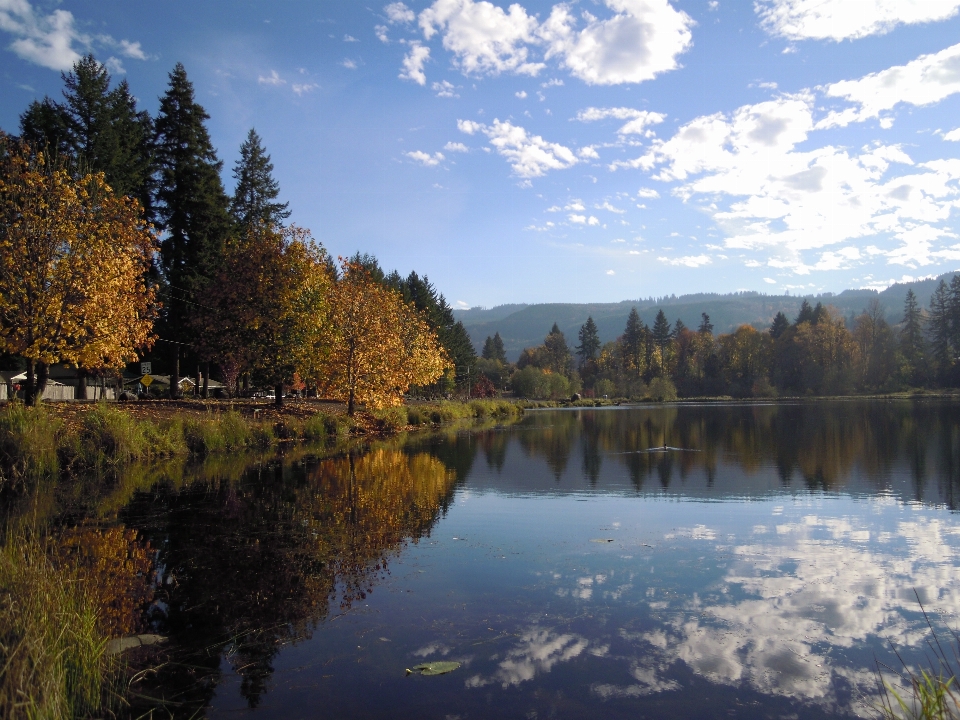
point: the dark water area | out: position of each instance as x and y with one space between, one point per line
750 561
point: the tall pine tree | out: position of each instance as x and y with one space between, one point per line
589 342
911 342
255 197
192 206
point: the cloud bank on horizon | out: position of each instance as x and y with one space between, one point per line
675 145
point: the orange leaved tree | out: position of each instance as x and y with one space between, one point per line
73 264
379 345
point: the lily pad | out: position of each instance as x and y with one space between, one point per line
435 668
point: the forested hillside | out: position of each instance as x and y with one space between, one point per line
523 326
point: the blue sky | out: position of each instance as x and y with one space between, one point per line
584 151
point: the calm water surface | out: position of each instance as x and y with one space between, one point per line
757 568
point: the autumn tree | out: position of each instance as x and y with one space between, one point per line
266 307
378 345
73 257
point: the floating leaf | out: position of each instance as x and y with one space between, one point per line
435 668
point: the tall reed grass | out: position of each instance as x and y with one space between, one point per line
51 649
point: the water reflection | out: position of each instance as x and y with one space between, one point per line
760 571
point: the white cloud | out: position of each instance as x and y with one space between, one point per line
445 89
483 38
593 220
610 208
381 33
610 272
924 81
413 63
953 135
576 206
578 219
272 79
456 147
522 94
647 193
588 153
638 119
397 12
349 64
842 19
691 261
303 88
50 40
640 41
771 281
132 50
349 38
425 159
529 155
553 82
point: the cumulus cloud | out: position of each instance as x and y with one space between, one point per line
483 38
842 20
640 40
303 88
456 147
425 159
529 155
953 135
923 81
349 64
413 63
647 193
638 119
397 12
50 40
381 32
522 94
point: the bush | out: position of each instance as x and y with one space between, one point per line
111 437
391 419
662 389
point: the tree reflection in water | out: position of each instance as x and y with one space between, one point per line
246 567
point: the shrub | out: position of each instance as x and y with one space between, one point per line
391 419
662 389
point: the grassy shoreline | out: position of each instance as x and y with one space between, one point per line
38 442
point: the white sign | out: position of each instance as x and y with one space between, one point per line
145 368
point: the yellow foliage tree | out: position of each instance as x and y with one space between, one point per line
73 261
379 345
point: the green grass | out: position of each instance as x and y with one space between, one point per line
28 443
51 650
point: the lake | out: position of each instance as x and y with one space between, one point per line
695 561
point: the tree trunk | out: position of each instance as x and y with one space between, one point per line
350 403
43 372
196 384
30 387
206 380
81 384
279 392
175 373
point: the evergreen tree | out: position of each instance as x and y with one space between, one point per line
705 325
779 325
488 351
192 205
911 339
953 301
661 330
940 326
589 341
678 327
558 353
499 351
44 125
805 314
819 314
254 200
128 166
370 263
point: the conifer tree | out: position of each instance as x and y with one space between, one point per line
589 342
254 200
634 343
499 351
779 325
678 327
488 351
705 325
44 126
192 205
911 338
661 335
805 314
940 326
558 353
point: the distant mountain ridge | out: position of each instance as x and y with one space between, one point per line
522 326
